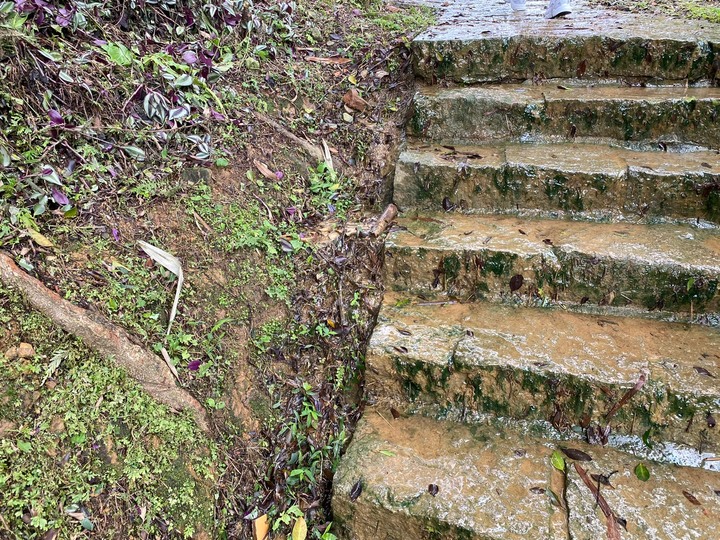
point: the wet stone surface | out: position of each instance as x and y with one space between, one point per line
567 113
579 180
547 364
487 41
645 267
494 483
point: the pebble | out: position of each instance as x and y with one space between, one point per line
24 350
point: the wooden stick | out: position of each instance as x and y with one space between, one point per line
101 335
384 221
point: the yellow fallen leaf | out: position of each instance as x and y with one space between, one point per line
261 527
39 239
299 531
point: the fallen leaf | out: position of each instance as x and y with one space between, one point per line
353 100
703 371
577 455
299 531
557 461
613 533
261 527
642 472
393 9
516 282
337 60
394 412
356 491
264 170
690 497
628 395
603 479
171 263
40 239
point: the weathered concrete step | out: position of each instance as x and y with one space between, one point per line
486 41
495 483
465 360
660 266
574 178
559 113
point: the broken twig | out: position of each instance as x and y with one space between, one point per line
384 221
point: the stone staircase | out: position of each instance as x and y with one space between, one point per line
550 328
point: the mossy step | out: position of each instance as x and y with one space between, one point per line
486 41
567 113
423 479
464 360
670 267
585 179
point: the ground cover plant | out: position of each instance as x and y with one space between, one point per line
253 141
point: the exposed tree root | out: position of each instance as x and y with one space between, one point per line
148 369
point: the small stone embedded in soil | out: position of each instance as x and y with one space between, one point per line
24 350
433 489
516 282
710 420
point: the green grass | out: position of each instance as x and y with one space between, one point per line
86 448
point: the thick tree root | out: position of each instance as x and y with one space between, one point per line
148 369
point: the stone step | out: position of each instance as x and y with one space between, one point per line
486 41
566 113
592 180
498 483
464 360
666 267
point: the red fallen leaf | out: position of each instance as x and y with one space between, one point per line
516 282
577 455
335 60
690 497
353 100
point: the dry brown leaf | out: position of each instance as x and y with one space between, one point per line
261 527
334 60
264 170
393 9
613 531
353 100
